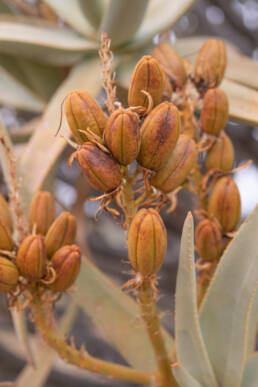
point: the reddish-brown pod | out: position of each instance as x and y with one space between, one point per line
147 242
41 212
101 170
122 135
31 257
5 212
159 135
208 240
211 63
221 155
8 275
6 241
215 111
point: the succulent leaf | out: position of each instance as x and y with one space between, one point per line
251 372
183 378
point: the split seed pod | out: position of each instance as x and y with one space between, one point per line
8 275
211 63
221 155
180 163
42 212
5 212
122 135
62 232
225 203
208 240
147 76
100 169
66 263
83 112
215 111
147 242
159 135
31 257
6 242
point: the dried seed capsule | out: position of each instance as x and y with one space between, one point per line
171 63
5 212
180 163
83 112
208 240
225 203
8 275
66 262
211 63
31 257
42 212
159 135
101 170
215 111
147 76
6 242
122 136
62 232
221 155
147 242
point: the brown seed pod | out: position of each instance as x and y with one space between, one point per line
62 232
83 112
211 63
147 242
221 155
6 241
180 163
8 275
208 240
159 135
41 212
215 111
147 76
122 135
5 212
171 63
100 169
66 263
225 203
31 257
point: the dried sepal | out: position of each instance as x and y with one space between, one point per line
215 111
9 275
208 240
31 257
41 212
221 155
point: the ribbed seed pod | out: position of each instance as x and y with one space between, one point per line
83 112
62 232
6 242
147 242
211 63
147 76
66 263
8 275
42 212
5 212
180 163
225 203
159 135
221 155
122 135
208 240
31 257
215 111
100 169
171 63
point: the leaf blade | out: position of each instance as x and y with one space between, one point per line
183 377
251 372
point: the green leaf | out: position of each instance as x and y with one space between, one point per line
117 315
251 372
93 11
190 348
226 307
183 378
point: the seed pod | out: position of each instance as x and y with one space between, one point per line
208 240
66 263
215 112
83 112
8 275
180 163
147 76
42 212
5 212
225 203
221 155
122 136
31 257
167 90
211 63
159 135
147 242
6 242
62 232
101 170
171 63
